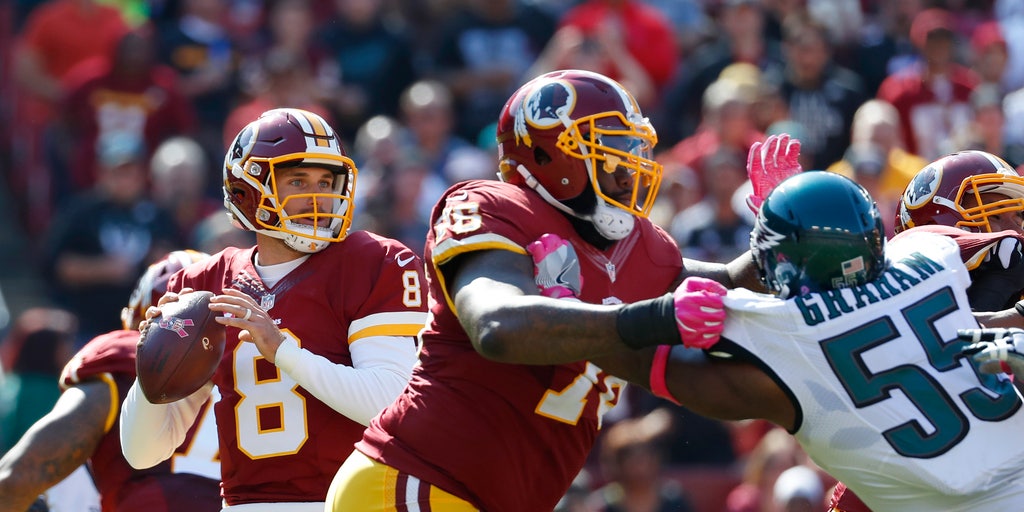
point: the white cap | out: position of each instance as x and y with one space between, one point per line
798 482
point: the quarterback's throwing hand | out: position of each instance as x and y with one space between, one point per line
995 350
699 311
770 162
556 269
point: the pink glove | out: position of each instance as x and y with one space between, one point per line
699 311
556 269
769 163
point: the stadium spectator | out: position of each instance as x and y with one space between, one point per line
178 175
484 50
286 82
375 58
933 96
727 124
717 228
740 39
876 142
125 91
49 45
633 467
819 94
105 237
198 45
628 31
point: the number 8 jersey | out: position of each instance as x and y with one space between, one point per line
281 441
885 402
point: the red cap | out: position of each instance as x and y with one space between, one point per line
985 35
928 21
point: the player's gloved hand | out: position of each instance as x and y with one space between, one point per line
556 269
770 162
693 315
700 314
995 350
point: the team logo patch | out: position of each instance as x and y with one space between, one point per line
241 148
177 325
923 187
545 107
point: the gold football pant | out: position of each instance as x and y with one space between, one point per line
365 485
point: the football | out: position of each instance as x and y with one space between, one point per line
180 349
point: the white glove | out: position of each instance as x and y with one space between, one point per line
556 268
995 350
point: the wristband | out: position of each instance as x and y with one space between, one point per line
1019 306
658 368
648 323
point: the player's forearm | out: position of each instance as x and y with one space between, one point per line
738 273
381 368
150 432
1006 318
54 446
539 330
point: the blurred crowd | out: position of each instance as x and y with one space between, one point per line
115 115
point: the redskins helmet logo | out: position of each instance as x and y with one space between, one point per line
241 147
547 106
923 187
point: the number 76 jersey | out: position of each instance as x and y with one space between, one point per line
885 401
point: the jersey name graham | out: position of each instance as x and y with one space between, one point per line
830 305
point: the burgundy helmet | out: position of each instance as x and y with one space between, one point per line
936 193
280 137
153 284
561 128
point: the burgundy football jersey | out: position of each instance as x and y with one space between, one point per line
187 481
509 437
279 443
973 246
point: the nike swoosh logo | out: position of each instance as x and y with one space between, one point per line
561 279
402 263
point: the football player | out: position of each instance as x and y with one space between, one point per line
857 355
511 387
977 199
83 426
320 322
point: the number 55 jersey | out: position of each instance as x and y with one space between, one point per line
885 401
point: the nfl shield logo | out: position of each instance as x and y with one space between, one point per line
267 301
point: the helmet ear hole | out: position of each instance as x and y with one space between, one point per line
541 157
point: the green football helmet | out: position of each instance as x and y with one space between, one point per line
817 231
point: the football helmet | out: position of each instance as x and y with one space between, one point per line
153 284
288 137
936 194
559 130
817 231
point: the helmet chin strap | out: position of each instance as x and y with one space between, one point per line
305 244
611 222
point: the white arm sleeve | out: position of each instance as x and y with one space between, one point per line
150 432
381 367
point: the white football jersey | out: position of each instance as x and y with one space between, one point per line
885 402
